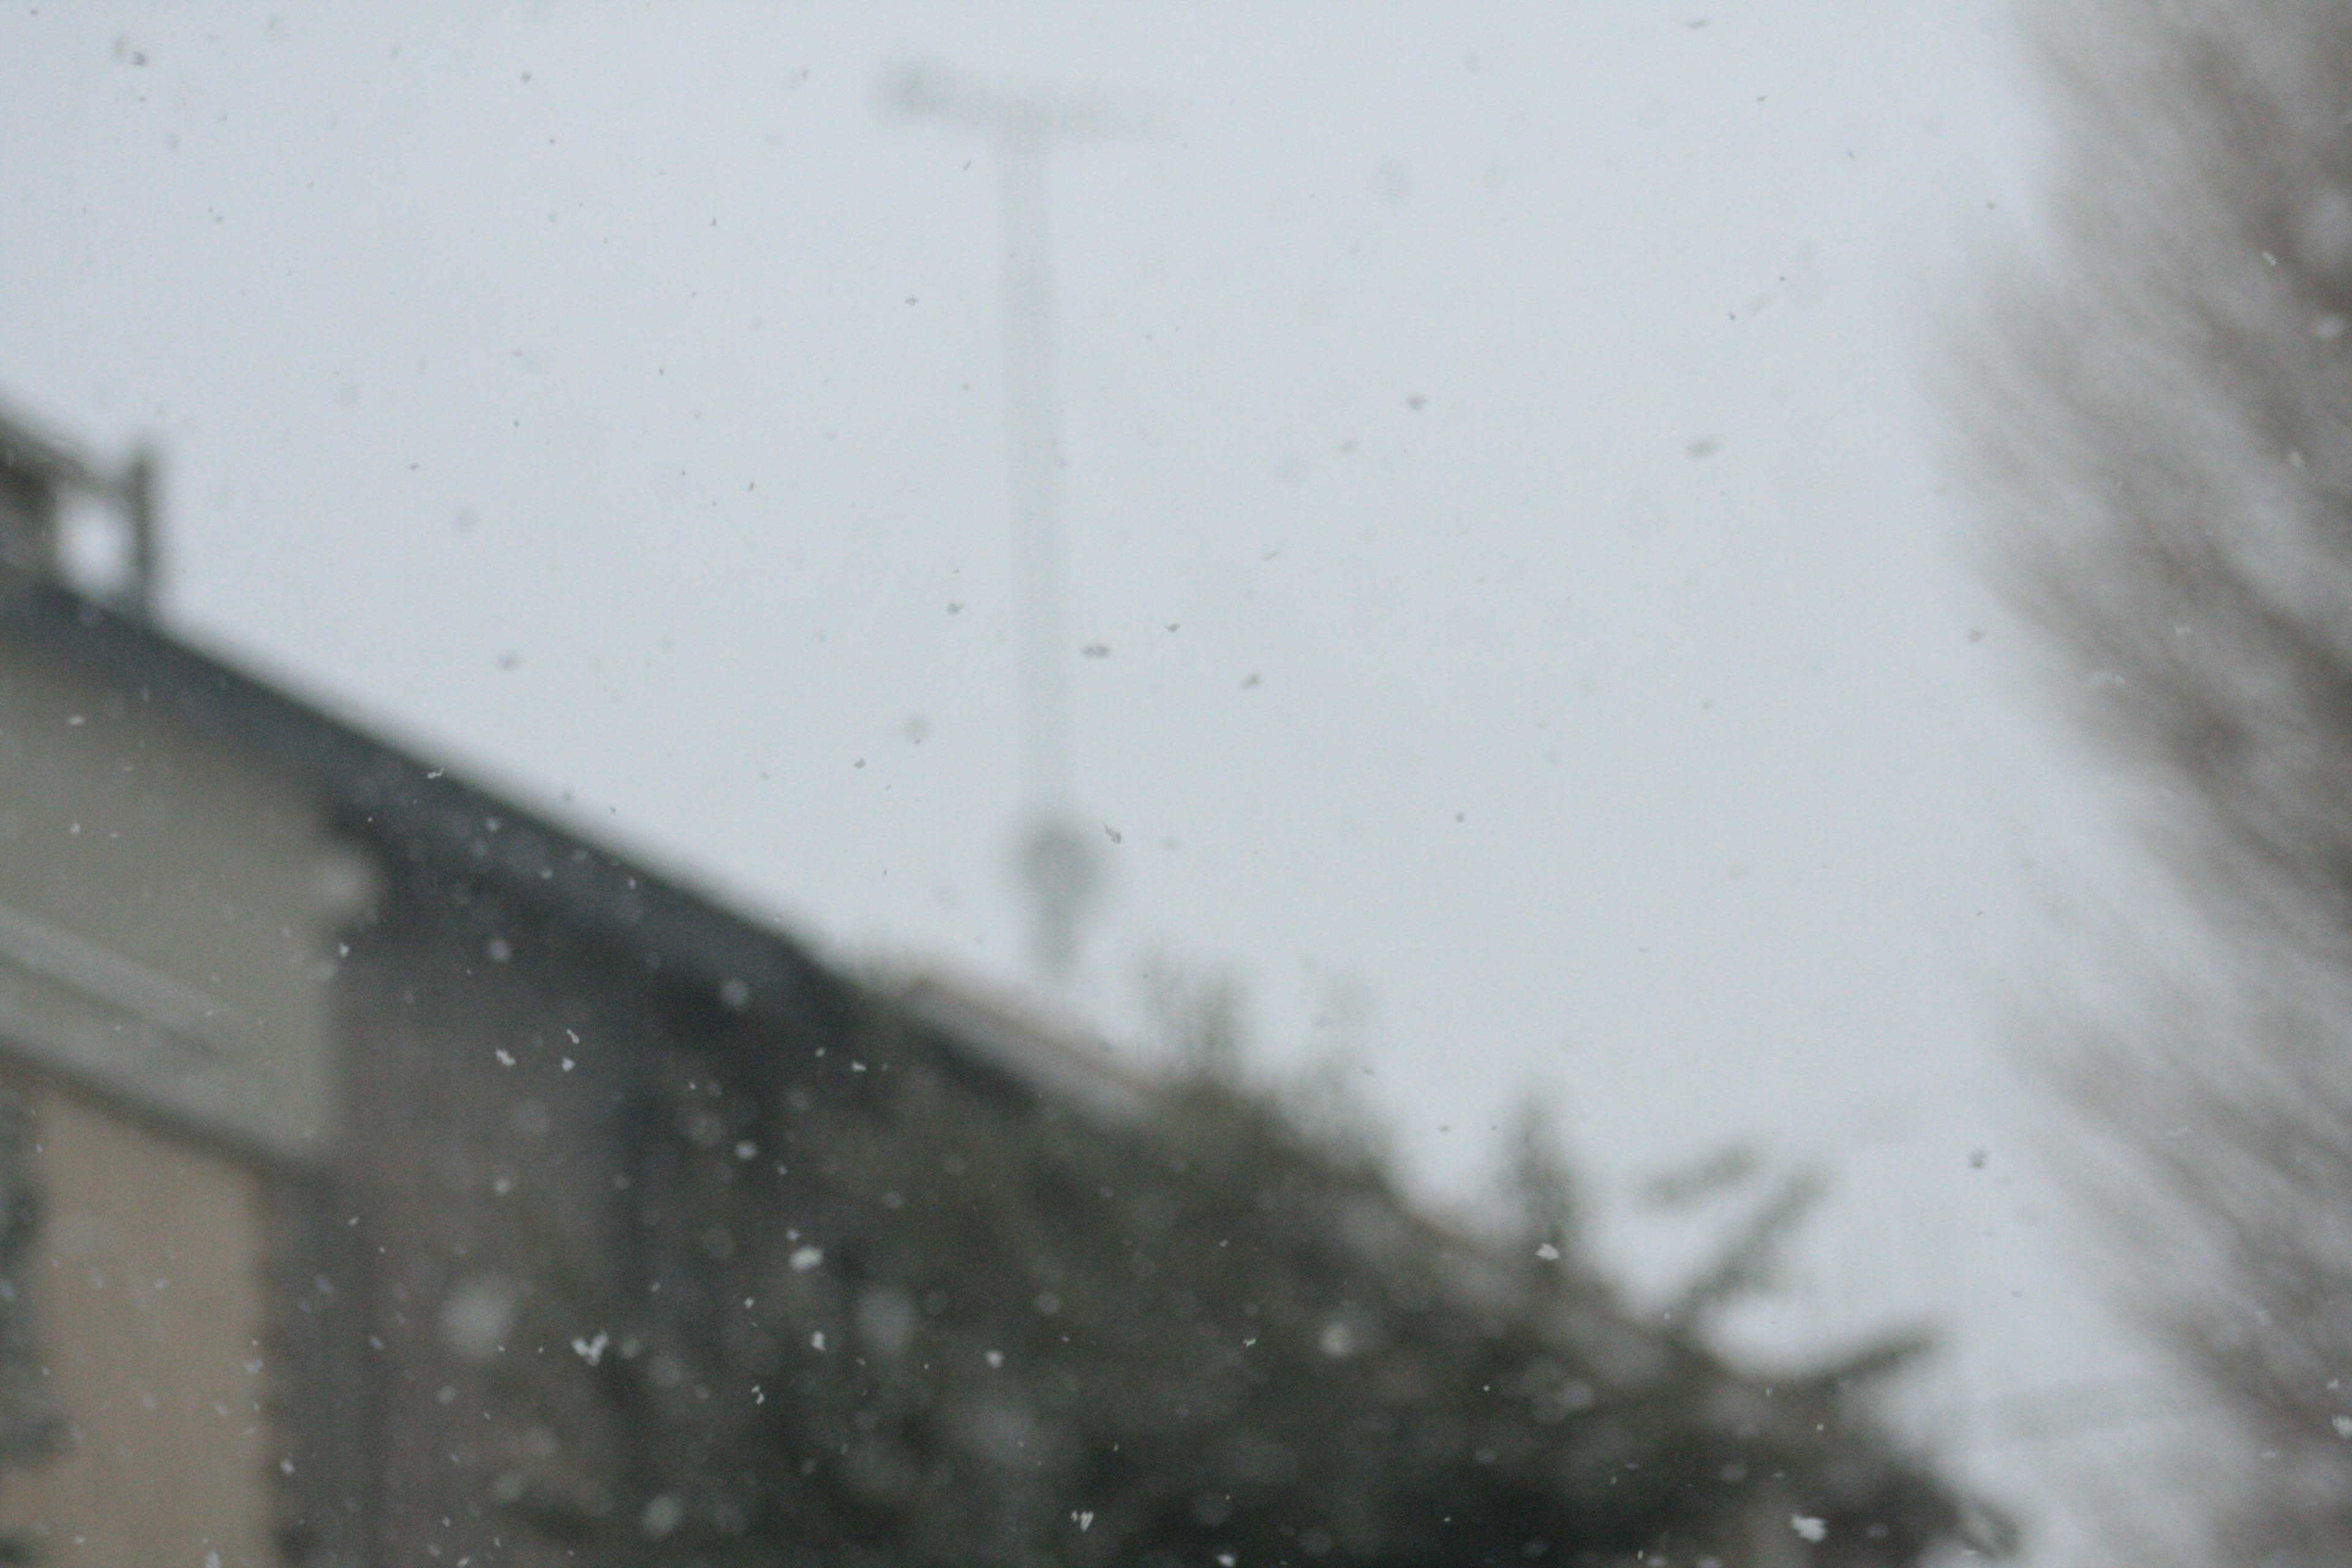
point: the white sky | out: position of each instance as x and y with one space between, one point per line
611 401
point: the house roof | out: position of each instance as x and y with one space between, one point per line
27 452
419 812
378 792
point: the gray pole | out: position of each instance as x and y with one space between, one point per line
1032 429
1057 861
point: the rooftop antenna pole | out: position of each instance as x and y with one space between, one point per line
1056 859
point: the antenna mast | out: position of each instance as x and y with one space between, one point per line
1057 861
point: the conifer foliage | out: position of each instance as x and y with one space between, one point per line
908 1317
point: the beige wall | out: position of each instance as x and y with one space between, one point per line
147 1282
166 912
168 917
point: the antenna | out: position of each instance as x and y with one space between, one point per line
1056 859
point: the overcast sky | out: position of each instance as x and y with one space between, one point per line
1502 467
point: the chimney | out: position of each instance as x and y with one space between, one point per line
65 520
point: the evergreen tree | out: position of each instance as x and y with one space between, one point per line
908 1318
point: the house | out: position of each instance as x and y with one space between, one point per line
261 981
420 1181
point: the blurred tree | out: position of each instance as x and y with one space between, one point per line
902 1319
2170 423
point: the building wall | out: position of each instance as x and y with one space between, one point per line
169 915
147 1287
167 912
378 1125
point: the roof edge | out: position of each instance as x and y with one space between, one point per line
375 790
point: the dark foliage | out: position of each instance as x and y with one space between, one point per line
904 1319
